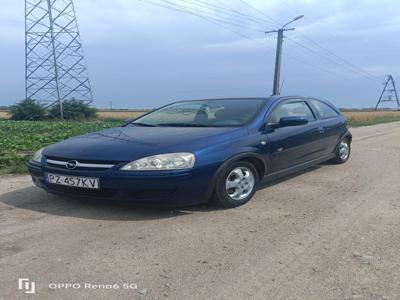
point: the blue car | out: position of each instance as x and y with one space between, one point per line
192 152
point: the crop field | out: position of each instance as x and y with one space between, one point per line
4 114
119 114
363 118
102 114
19 139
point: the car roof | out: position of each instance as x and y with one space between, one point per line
269 98
227 98
265 99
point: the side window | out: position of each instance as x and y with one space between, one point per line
325 111
291 109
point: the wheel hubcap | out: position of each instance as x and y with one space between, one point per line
344 150
240 183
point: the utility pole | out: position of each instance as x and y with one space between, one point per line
389 90
278 58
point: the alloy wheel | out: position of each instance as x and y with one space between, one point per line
344 150
240 183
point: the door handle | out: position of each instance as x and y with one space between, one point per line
321 129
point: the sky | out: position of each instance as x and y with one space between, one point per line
142 56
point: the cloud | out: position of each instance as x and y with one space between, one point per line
139 53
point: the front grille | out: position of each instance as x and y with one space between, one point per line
71 164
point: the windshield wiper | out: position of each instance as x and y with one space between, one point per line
142 124
182 125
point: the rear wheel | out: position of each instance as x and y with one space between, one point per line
343 151
236 185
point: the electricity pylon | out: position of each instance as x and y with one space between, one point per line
55 69
389 93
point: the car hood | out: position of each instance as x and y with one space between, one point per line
134 142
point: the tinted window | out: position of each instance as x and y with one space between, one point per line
291 109
205 113
324 110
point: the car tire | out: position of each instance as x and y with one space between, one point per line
236 184
343 151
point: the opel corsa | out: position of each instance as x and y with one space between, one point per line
195 151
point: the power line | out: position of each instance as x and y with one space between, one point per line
342 62
254 8
276 22
201 13
209 12
305 37
309 39
180 8
214 21
223 8
349 69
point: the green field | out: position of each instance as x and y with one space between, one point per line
19 139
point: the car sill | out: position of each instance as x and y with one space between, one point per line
297 168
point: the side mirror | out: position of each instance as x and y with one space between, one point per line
292 121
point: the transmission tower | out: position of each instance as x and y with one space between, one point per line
389 93
55 69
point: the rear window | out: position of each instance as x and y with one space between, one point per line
325 111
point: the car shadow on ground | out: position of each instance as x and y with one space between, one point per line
37 200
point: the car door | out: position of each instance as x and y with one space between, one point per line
293 145
332 123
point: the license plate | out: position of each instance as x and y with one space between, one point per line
74 181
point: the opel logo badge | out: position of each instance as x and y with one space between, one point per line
72 164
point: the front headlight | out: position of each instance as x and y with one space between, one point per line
170 161
37 157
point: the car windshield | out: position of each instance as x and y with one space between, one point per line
203 113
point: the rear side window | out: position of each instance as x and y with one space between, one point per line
291 109
325 111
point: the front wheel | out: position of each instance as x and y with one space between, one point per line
236 185
343 151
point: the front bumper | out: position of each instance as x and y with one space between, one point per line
184 187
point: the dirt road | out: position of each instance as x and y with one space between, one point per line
332 232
